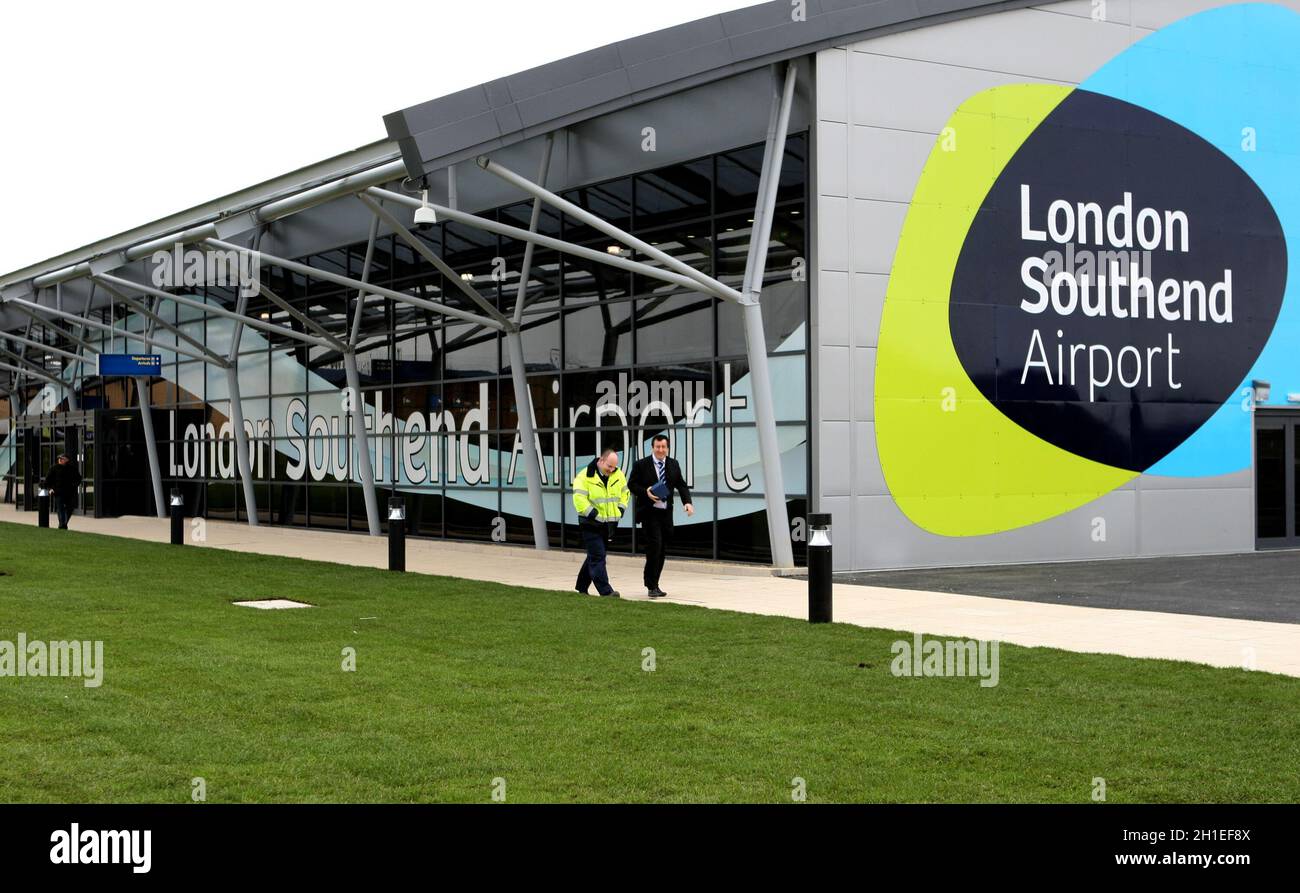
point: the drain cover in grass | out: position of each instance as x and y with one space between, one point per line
272 604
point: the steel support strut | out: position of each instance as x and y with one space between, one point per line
362 437
347 282
714 288
769 448
146 419
242 461
702 281
527 424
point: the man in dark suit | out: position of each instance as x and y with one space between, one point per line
63 481
655 512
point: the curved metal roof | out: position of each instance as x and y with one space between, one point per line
501 112
451 128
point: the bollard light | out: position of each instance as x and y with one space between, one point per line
176 505
820 567
396 534
820 530
42 507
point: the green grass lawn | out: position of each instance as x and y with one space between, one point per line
459 682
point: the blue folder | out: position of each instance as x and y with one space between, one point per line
660 490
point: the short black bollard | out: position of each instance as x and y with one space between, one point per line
820 568
177 506
42 507
396 535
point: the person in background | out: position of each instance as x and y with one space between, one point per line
63 481
654 510
600 497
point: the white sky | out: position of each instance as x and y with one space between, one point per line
117 114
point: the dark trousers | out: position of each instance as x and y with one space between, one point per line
657 531
64 507
593 567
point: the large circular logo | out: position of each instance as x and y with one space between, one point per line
1117 282
1089 278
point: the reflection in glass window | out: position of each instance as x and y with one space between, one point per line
470 349
739 171
675 327
586 282
611 201
785 311
598 336
672 194
437 391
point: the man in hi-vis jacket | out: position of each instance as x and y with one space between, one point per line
600 497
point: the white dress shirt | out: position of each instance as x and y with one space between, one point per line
659 474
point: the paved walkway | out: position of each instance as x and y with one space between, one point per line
1244 586
1273 647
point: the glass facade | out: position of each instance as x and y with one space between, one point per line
611 358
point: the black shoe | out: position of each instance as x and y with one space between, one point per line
613 593
656 593
581 591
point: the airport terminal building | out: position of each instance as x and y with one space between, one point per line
987 281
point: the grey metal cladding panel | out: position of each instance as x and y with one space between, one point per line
940 7
572 98
740 22
784 38
508 119
679 66
671 41
455 136
769 28
857 17
676 58
498 93
411 157
587 66
446 110
395 124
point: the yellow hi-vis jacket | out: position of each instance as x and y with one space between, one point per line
599 503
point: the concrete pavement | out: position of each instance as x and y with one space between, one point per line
1217 641
1245 586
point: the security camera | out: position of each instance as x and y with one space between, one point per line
425 216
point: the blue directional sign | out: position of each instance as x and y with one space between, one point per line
130 364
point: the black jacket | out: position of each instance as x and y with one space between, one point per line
644 475
63 480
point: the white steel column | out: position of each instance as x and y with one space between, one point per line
242 460
533 468
363 441
769 449
365 467
146 419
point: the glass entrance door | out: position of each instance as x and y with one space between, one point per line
122 479
1277 480
39 441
